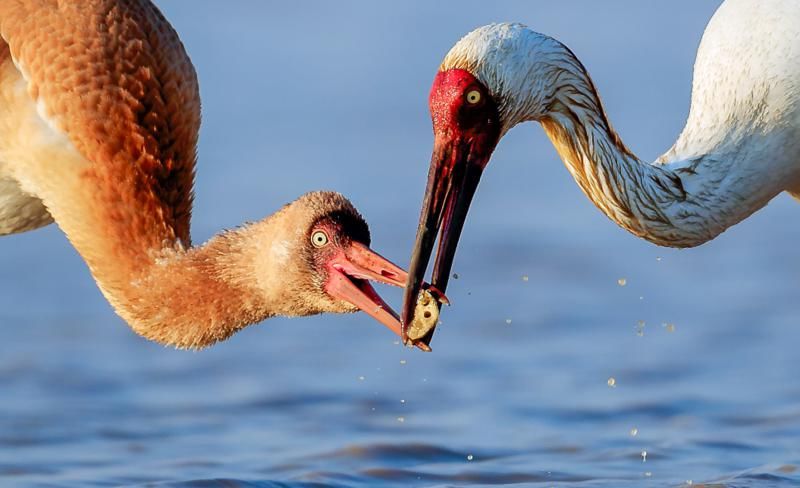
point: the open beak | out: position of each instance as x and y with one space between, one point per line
348 280
452 180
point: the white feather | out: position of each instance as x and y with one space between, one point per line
739 149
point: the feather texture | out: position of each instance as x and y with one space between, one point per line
99 117
739 149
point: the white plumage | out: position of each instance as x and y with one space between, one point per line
740 146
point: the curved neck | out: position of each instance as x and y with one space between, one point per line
191 298
187 297
678 204
184 297
167 291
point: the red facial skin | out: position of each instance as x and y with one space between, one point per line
455 120
466 131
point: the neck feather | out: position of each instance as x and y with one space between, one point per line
191 298
187 297
682 203
167 291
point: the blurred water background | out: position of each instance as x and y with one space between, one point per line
545 372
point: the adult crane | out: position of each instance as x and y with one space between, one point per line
739 149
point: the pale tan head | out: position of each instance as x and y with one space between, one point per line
311 257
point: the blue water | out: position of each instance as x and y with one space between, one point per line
333 95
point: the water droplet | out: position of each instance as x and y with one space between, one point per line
455 276
525 278
470 457
401 419
648 474
612 382
644 456
622 282
634 432
641 298
640 328
658 258
689 482
402 401
508 321
396 343
402 361
670 327
362 378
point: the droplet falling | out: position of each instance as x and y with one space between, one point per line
402 361
644 456
362 378
670 327
634 432
612 382
525 278
508 321
401 419
469 457
622 282
640 328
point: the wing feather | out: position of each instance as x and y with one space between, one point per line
114 76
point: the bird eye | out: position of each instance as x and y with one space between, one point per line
319 238
473 97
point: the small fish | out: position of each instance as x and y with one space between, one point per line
426 315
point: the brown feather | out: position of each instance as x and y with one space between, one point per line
114 76
99 117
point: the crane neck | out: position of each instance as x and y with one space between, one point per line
190 298
682 202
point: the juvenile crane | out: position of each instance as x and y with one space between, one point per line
739 149
99 118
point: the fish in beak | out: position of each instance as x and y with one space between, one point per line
348 279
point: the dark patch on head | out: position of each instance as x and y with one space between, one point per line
350 226
333 214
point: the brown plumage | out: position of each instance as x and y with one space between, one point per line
99 116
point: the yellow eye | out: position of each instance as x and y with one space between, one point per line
319 238
473 97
